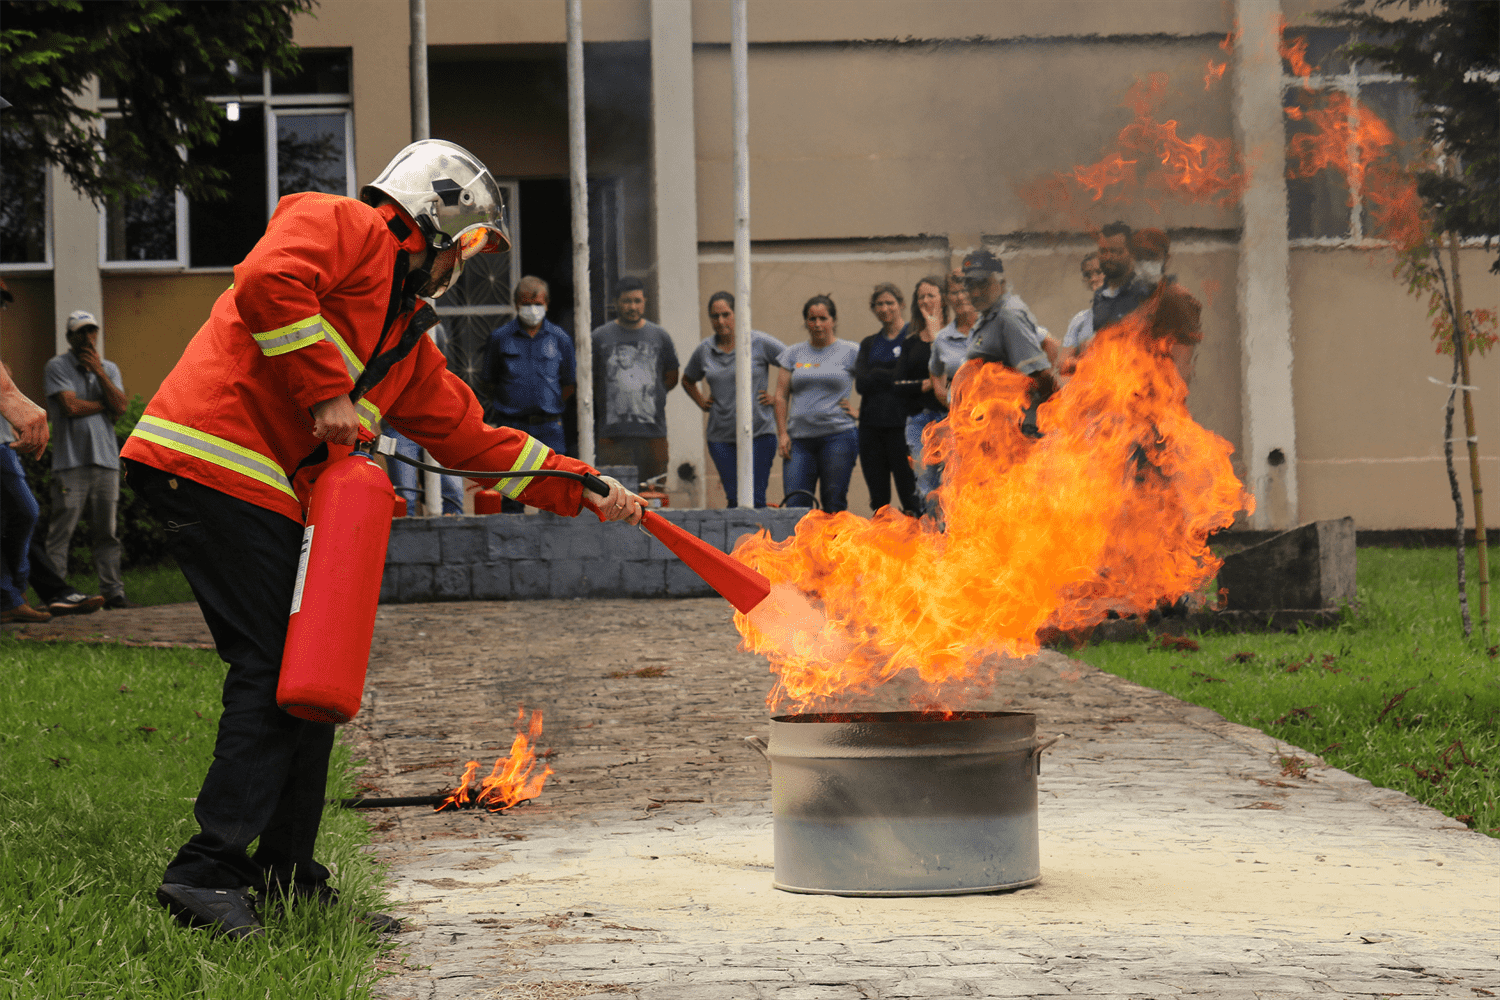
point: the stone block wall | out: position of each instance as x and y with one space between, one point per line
528 556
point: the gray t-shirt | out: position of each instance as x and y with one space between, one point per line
1001 335
820 378
628 389
78 441
708 362
950 348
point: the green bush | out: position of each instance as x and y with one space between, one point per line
142 540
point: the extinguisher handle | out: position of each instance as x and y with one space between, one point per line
596 484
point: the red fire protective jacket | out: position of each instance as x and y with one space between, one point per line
297 327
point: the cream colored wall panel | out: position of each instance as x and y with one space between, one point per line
491 22
875 141
816 20
151 318
1368 418
1389 493
1364 358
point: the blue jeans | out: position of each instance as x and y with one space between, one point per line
928 476
408 486
826 463
725 455
550 435
19 511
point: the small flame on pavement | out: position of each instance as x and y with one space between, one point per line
513 779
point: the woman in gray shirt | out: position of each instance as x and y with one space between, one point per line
713 362
816 429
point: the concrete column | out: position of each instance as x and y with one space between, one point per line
675 189
1269 445
75 248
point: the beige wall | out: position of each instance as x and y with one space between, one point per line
818 20
1369 423
149 320
27 330
871 141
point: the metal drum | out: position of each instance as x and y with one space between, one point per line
904 803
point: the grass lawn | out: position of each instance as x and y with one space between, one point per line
162 584
1394 694
102 748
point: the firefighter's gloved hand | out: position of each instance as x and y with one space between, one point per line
620 505
335 421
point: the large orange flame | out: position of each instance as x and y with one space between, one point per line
1108 511
513 779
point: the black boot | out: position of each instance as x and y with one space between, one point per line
230 912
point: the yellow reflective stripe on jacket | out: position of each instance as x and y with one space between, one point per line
216 450
369 414
351 360
533 456
283 340
305 333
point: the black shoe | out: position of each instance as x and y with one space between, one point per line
323 894
117 602
230 912
76 604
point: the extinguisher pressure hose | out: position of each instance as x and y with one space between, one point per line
387 447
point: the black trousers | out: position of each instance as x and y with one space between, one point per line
269 770
882 457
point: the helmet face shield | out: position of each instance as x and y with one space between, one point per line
482 238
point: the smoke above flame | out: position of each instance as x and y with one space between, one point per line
513 779
1109 510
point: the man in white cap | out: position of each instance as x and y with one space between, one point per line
84 396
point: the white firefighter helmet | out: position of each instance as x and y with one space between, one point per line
454 201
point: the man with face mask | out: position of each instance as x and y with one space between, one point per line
320 336
530 371
1175 313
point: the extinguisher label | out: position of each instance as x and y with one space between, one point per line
302 569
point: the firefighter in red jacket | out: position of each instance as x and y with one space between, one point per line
321 334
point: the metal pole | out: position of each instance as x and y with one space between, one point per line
421 122
579 182
744 333
421 128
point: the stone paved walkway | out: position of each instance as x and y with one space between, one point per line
1179 858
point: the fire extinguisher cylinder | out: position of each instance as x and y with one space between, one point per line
337 592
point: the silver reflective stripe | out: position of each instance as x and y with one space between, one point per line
533 456
302 333
215 450
352 363
369 414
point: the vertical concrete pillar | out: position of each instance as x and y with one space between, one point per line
675 199
75 248
1269 445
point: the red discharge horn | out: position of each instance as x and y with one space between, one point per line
338 589
736 583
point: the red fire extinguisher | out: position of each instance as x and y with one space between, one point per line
338 588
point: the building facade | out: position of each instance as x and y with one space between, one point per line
888 137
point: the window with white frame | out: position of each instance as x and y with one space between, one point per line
1321 208
280 135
